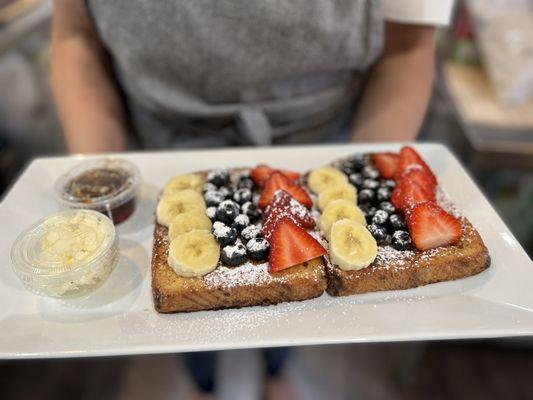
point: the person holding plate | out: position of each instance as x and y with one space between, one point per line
205 73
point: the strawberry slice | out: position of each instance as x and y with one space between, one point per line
413 194
284 203
410 160
262 172
409 193
430 226
396 197
386 163
284 206
422 178
279 181
291 245
272 220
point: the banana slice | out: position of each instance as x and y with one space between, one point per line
188 221
177 203
182 182
322 178
194 253
337 210
352 247
341 191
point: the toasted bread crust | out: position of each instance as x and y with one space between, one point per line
414 268
173 293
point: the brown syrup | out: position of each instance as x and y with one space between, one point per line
122 212
95 184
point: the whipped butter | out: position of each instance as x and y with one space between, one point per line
71 239
67 253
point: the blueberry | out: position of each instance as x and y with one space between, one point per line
379 233
356 180
209 187
388 183
227 191
370 172
213 198
365 196
369 211
242 196
245 174
234 255
219 177
253 212
387 206
401 240
383 194
258 249
380 218
251 232
397 222
227 211
357 162
211 213
370 184
241 221
246 183
224 234
347 168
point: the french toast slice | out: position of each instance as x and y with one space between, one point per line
397 270
250 284
230 287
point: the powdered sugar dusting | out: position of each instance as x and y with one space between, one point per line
237 248
242 219
428 254
247 274
220 230
293 206
251 231
389 257
256 245
296 208
284 205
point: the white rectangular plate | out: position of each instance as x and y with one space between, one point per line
119 317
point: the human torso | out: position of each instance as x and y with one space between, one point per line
279 62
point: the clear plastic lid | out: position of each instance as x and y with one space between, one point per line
101 198
66 253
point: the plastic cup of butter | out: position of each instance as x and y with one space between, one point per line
67 254
107 185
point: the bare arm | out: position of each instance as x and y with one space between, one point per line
89 107
397 94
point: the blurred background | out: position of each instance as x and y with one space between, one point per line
481 108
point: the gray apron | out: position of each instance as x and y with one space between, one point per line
228 72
